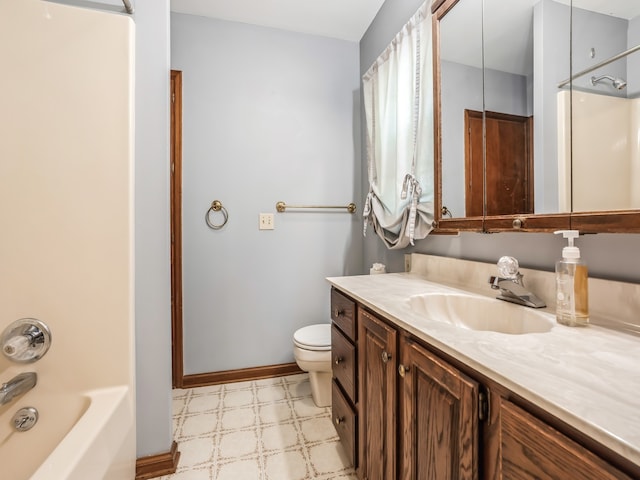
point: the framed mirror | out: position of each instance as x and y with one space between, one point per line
508 105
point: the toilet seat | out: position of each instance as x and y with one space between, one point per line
313 337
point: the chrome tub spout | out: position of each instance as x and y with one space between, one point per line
17 386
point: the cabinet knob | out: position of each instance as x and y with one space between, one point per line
337 312
339 360
402 370
339 420
385 357
518 223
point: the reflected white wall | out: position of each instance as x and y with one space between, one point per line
601 169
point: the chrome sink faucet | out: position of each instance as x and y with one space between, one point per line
511 285
17 386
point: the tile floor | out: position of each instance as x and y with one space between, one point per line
258 430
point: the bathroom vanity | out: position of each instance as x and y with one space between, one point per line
428 398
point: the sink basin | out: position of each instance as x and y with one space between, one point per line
481 313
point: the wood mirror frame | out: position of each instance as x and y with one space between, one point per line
615 221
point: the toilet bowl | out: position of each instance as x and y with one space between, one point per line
312 350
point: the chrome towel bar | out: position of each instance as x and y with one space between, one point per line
282 207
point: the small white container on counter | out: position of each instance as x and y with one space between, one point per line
377 268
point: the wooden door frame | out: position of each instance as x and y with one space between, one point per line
175 169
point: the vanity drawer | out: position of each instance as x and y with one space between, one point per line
343 313
344 419
343 358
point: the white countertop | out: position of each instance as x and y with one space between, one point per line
587 377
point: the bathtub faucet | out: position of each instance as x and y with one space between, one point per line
17 386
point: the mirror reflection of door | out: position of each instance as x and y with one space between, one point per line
509 163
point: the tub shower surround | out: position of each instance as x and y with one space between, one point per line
66 181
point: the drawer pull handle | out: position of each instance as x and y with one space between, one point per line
337 312
339 420
402 370
339 360
385 357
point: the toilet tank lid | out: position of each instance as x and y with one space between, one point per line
314 335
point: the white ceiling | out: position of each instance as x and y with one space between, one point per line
343 19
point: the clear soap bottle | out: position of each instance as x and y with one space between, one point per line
572 285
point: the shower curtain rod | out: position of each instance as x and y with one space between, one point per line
127 6
601 64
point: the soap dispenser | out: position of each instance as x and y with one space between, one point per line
572 294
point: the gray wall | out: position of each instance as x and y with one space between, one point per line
611 256
268 115
153 283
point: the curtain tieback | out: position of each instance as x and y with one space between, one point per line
411 188
366 212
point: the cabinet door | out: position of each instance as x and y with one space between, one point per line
377 392
533 450
439 418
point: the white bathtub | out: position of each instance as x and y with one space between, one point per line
78 436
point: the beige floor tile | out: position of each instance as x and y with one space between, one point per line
263 382
273 393
275 412
203 403
238 418
279 437
240 470
286 466
237 398
297 378
196 452
196 425
238 444
230 387
178 405
300 389
318 429
304 407
328 458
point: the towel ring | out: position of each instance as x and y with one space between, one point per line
216 206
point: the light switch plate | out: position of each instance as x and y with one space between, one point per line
266 221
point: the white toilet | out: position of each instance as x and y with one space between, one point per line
312 350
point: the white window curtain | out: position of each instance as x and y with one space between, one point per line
398 102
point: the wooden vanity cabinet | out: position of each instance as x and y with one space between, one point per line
422 415
344 361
